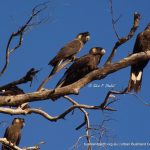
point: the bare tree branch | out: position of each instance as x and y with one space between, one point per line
75 87
46 94
124 39
28 77
113 19
14 147
108 96
20 33
87 122
19 111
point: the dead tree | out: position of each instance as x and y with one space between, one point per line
9 104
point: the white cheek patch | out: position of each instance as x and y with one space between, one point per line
94 50
138 78
79 37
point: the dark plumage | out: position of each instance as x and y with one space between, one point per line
82 66
69 50
142 44
12 90
13 133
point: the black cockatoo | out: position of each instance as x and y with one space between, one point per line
142 44
11 90
14 90
69 50
13 133
82 66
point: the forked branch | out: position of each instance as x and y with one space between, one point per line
75 87
27 78
21 31
125 39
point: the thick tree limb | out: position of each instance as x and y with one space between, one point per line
125 39
75 105
75 87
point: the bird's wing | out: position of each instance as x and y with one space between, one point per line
145 41
137 45
18 139
142 44
68 50
14 90
17 90
71 48
6 132
79 67
80 63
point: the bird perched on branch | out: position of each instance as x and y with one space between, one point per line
14 90
142 44
11 90
82 66
13 133
69 50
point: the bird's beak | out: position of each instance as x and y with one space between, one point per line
87 37
103 51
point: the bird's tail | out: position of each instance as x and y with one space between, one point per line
59 84
61 81
135 81
54 70
5 148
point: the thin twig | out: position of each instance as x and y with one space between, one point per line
141 99
113 19
105 103
124 39
20 33
86 119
